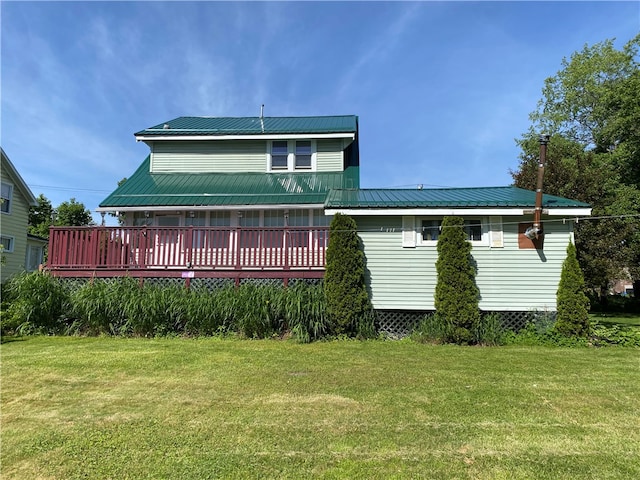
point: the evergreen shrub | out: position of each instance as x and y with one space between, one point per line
572 303
456 293
348 304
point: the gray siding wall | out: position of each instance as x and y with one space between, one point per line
232 156
509 279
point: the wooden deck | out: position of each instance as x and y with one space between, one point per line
188 252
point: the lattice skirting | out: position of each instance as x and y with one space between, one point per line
400 323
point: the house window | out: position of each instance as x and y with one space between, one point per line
142 219
291 155
473 229
7 244
6 193
431 230
303 155
279 155
219 238
299 228
196 219
273 238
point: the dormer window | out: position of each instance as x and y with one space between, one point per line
303 154
279 155
292 155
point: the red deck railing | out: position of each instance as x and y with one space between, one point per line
187 248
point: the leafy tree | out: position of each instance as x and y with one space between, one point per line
591 109
73 214
40 217
348 304
572 303
456 295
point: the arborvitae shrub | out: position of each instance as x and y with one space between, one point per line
456 295
348 304
572 302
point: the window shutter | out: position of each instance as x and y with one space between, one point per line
496 236
408 232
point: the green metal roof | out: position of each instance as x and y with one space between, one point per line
443 198
145 189
253 126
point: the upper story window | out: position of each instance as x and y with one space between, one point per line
292 155
279 155
6 194
431 229
303 154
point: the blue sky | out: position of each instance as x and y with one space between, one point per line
442 89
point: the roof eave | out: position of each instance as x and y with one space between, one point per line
258 136
442 211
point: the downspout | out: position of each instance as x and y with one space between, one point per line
535 230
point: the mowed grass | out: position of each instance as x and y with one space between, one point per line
210 408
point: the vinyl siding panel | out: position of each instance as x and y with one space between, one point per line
508 278
329 156
218 157
14 225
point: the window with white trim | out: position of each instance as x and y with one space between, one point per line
292 155
7 243
431 229
303 155
279 155
6 197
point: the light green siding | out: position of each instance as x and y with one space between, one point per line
214 156
509 278
14 224
231 156
329 156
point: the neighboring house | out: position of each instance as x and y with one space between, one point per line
14 219
252 198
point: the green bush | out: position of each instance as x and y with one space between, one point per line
36 302
572 302
348 302
456 293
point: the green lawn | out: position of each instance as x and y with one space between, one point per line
210 408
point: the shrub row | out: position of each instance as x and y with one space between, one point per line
539 331
41 303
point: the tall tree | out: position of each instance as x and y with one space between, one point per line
73 214
348 302
456 295
41 217
591 109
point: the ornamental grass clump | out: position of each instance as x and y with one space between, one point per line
35 302
456 294
348 304
572 303
306 312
